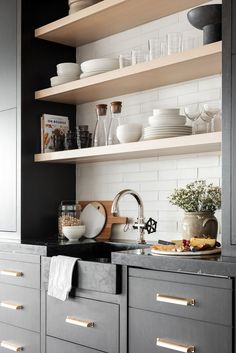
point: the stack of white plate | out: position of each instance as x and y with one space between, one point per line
66 72
98 66
77 5
166 123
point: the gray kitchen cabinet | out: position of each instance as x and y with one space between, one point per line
8 171
91 323
145 328
20 321
8 54
168 311
58 346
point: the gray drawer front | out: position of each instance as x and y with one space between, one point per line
30 273
58 346
211 304
28 340
103 336
28 316
145 327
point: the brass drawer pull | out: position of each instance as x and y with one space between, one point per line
179 347
10 305
11 273
175 300
11 346
75 321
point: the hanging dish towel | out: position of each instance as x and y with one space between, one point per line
60 276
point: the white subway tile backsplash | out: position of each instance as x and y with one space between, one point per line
154 178
212 172
141 176
180 89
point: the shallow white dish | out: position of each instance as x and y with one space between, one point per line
92 73
71 69
187 253
102 64
59 80
165 112
168 128
74 232
156 121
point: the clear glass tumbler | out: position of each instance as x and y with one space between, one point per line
174 43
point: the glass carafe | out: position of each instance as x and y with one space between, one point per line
115 121
100 132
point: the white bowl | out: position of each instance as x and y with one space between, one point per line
77 5
129 133
73 232
103 64
59 80
156 121
164 112
71 69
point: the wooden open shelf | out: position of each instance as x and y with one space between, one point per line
109 17
189 65
171 146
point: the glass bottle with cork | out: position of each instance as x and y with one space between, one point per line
115 121
100 132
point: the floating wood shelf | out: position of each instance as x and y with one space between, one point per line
109 17
172 146
189 65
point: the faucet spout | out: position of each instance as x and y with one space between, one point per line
115 210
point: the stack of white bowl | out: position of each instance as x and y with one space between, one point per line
66 72
77 5
98 66
166 123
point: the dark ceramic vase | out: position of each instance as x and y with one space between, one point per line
209 19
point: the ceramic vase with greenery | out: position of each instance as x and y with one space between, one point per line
199 201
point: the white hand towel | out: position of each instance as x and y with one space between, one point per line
60 276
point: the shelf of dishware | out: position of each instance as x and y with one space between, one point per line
107 18
207 142
189 65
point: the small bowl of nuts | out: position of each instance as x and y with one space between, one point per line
73 232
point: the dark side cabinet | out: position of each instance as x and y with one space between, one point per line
229 128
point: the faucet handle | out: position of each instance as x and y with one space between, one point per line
151 226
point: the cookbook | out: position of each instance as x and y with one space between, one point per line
52 125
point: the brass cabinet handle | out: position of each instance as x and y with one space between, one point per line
179 347
10 305
175 300
75 321
11 346
11 273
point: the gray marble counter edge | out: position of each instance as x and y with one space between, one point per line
40 250
176 264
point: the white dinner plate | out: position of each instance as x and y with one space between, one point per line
187 253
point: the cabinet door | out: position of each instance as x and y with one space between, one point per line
8 170
8 54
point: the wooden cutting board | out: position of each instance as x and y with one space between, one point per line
110 219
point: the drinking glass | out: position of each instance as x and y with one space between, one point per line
138 56
193 113
174 43
153 49
211 111
188 43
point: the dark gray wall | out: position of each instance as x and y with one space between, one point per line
42 186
